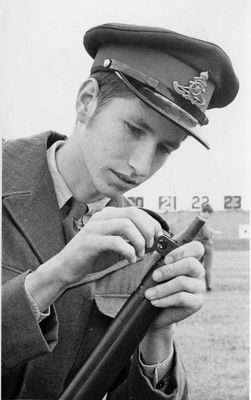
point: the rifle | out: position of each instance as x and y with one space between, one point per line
97 375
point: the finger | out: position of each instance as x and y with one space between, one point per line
148 226
183 299
117 244
189 266
191 249
179 284
123 227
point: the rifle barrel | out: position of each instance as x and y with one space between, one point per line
128 328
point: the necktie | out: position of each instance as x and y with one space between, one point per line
70 223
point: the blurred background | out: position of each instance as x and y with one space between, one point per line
42 65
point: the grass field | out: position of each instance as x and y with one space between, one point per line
214 342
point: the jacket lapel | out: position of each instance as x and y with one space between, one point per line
29 197
34 209
38 218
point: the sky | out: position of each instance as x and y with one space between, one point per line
43 63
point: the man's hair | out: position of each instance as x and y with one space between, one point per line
110 86
207 208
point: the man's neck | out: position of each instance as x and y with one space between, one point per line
72 168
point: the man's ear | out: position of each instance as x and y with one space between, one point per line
87 100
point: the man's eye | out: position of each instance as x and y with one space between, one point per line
134 129
163 149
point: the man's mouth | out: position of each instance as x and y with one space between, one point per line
127 179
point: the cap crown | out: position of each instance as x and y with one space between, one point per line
177 75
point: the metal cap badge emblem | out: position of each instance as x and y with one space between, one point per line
194 92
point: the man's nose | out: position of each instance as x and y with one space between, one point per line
141 159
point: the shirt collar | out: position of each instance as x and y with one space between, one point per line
63 193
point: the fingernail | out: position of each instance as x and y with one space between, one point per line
150 243
133 260
157 275
149 293
142 253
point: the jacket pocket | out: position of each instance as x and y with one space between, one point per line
110 304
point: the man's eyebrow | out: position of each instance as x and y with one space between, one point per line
144 125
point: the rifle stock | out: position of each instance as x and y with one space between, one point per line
128 328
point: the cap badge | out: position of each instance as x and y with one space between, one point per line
195 90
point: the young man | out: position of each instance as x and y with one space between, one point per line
205 236
148 90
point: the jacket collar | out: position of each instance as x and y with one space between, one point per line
29 195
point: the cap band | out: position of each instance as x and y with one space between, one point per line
154 84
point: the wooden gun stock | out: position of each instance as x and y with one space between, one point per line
128 328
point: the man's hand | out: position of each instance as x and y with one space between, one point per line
127 231
179 293
180 285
